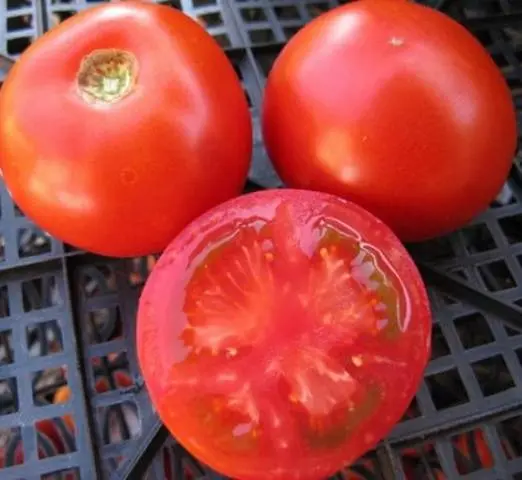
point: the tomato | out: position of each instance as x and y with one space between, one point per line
396 107
117 126
274 331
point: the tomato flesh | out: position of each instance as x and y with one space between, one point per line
279 325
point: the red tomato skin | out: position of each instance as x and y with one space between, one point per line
162 351
396 107
124 179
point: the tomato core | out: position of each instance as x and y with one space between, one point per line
107 76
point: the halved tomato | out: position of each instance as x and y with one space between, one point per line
282 334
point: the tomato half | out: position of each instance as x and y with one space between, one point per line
396 107
117 125
282 334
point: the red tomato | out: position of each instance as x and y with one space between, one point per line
116 128
282 334
396 107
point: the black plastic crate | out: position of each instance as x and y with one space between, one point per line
67 318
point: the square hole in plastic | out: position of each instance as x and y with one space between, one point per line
496 276
69 474
46 383
7 355
22 22
446 389
478 238
103 324
111 372
2 248
8 396
512 228
97 280
261 36
11 444
252 15
473 330
119 422
471 451
437 250
54 437
40 293
439 345
16 46
317 8
493 375
209 20
44 338
4 301
287 12
32 242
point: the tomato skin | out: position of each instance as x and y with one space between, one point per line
234 392
396 107
123 179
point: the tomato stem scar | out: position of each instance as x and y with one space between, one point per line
106 76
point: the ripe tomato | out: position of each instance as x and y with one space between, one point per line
116 128
396 107
278 326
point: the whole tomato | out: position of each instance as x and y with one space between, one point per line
120 126
282 334
394 106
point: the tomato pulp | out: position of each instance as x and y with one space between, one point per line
282 334
396 107
117 125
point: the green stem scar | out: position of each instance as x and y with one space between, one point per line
107 76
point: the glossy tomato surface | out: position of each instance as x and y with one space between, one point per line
122 175
282 334
396 107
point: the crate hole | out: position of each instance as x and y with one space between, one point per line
44 338
104 324
223 40
16 46
510 432
54 438
493 375
471 452
413 411
97 280
8 396
316 9
40 293
4 301
45 384
473 330
69 474
2 248
512 332
12 447
261 36
478 239
439 345
32 241
210 20
55 18
365 467
15 4
202 3
253 15
140 268
437 250
111 372
288 12
512 228
291 31
446 389
119 422
496 276
266 60
6 348
22 22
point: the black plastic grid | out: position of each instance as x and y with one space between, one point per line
473 383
